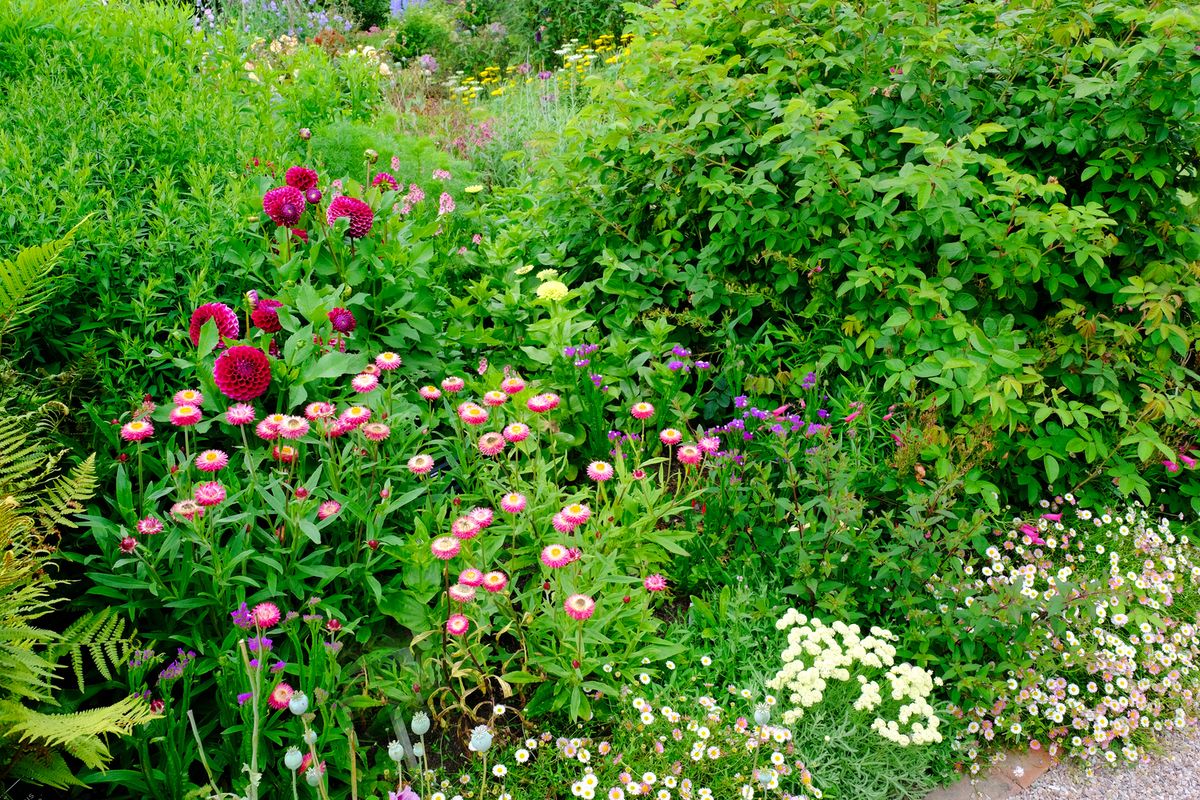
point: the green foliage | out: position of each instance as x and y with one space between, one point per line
538 28
422 31
980 205
369 13
339 149
25 281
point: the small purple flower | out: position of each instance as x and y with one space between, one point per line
569 351
242 618
810 380
259 643
545 74
279 666
583 362
675 365
244 697
703 365
740 401
822 413
680 351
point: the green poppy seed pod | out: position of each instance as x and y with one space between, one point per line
310 736
371 155
292 759
312 776
481 739
396 752
420 723
298 704
762 714
418 750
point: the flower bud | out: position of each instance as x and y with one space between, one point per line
420 723
292 759
305 134
313 196
370 155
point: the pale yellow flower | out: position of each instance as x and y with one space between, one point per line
553 290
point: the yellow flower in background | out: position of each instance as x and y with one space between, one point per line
553 290
547 275
525 270
474 188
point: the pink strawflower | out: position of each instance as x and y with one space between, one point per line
188 397
655 583
512 385
491 444
445 547
470 577
280 696
388 361
242 372
461 593
494 398
457 625
355 416
670 436
376 431
284 205
472 414
562 524
148 526
483 517
364 383
541 403
709 444
285 454
495 581
453 384
266 431
301 178
360 214
328 509
689 454
430 393
556 556
600 471
516 432
319 410
137 430
384 177
127 544
184 416
464 528
293 427
420 464
579 606
577 513
638 474
642 411
212 460
240 414
209 494
187 509
512 503
266 615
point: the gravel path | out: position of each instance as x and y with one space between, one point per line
1173 774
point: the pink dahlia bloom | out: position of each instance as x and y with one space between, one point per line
376 431
457 625
210 493
689 454
472 414
495 582
541 403
212 460
642 411
342 320
360 214
655 583
292 427
556 556
265 315
319 410
491 444
420 464
484 517
516 432
384 177
461 593
670 436
464 528
600 471
364 383
242 372
225 317
470 577
355 416
240 414
328 509
494 398
301 178
284 205
137 430
577 513
388 361
280 696
184 416
512 503
188 397
512 385
579 606
430 393
453 384
445 547
266 615
148 526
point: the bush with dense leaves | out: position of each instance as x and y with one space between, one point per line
986 206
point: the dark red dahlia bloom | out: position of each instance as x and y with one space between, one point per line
265 315
226 319
360 214
300 234
284 205
242 373
343 320
301 178
387 178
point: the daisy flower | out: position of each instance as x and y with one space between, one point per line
355 416
512 503
539 404
293 427
185 415
279 697
445 547
472 414
482 516
188 397
430 393
494 398
210 493
376 431
670 436
461 593
579 606
137 430
470 577
495 581
319 410
512 385
388 361
689 454
516 432
420 464
240 414
453 384
600 471
212 460
576 513
148 526
556 555
328 509
491 444
457 625
364 383
642 411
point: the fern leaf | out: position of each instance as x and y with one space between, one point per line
102 634
43 767
64 498
24 281
81 733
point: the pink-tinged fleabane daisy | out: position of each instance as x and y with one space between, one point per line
284 205
513 503
457 625
445 547
495 581
184 416
265 315
388 361
689 454
577 513
642 411
562 524
148 526
472 414
655 583
483 516
512 385
242 372
494 398
137 430
279 696
670 436
464 528
579 606
709 444
384 177
210 493
227 321
360 214
429 393
212 460
301 178
284 454
376 431
319 410
187 509
188 397
491 444
453 384
128 544
240 414
364 383
266 431
600 471
470 577
355 416
556 555
293 427
461 593
541 403
266 615
420 464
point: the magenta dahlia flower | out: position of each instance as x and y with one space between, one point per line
223 315
384 177
242 372
470 577
579 606
265 315
137 430
301 178
342 320
284 205
360 214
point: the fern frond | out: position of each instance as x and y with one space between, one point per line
25 280
42 767
102 634
80 734
64 498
